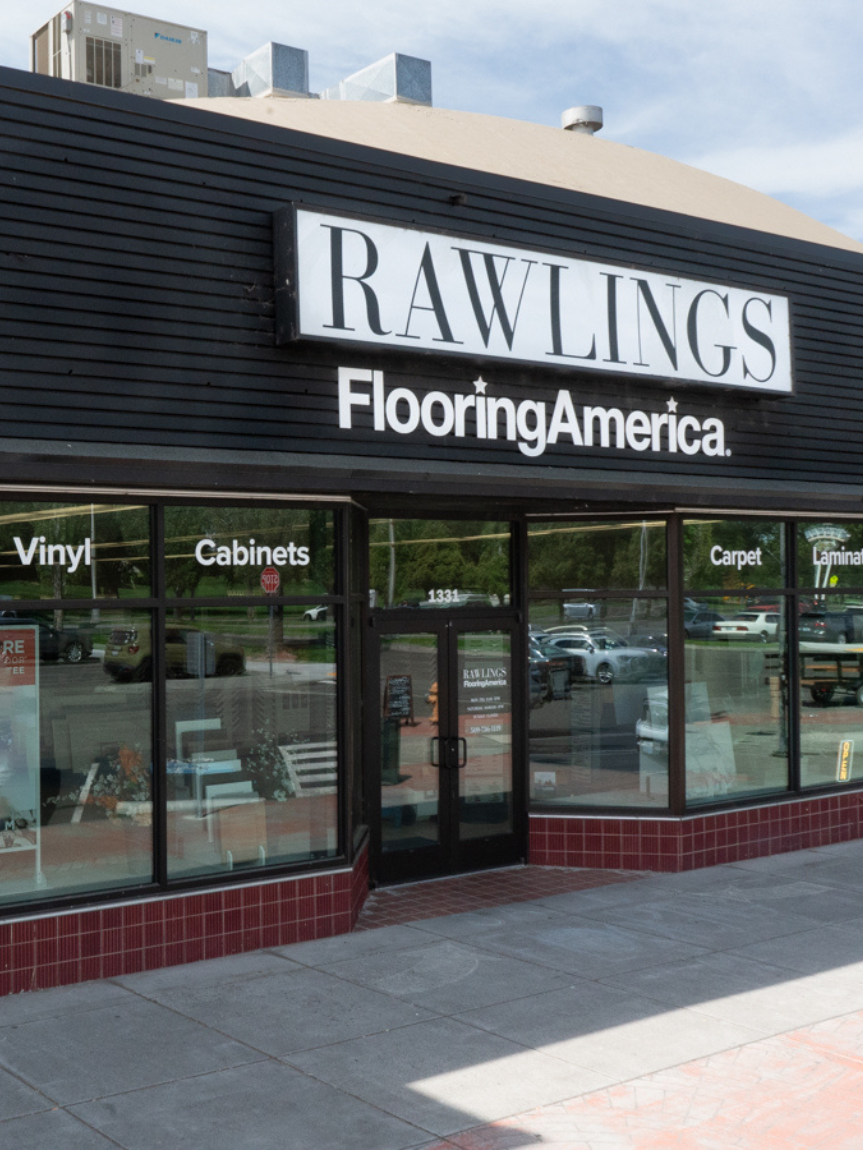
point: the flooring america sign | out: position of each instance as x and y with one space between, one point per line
376 284
532 424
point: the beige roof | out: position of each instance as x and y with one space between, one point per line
551 156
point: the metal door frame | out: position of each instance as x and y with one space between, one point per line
449 855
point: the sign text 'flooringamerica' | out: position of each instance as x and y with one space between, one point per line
531 424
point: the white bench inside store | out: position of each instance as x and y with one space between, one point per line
312 768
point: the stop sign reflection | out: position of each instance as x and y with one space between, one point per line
270 580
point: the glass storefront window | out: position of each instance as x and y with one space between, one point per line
74 551
251 762
75 757
220 551
599 705
830 556
251 694
735 698
830 707
733 553
567 556
251 721
735 659
429 563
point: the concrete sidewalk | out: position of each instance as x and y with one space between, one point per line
717 1008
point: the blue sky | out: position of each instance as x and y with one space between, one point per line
765 92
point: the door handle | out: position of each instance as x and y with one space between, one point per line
451 753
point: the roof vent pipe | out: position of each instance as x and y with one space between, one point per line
585 118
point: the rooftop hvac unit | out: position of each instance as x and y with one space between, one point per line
112 49
396 79
274 70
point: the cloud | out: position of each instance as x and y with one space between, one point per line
809 167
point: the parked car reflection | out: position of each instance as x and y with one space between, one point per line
654 642
580 610
758 625
830 626
189 653
699 624
552 672
320 612
605 659
71 645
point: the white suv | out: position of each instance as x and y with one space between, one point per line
604 659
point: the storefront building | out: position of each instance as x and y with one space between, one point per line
388 493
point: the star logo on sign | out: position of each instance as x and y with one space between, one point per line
671 404
480 385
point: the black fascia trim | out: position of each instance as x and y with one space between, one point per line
380 160
569 489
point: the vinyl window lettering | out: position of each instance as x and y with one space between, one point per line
75 750
251 756
251 693
830 629
735 625
438 563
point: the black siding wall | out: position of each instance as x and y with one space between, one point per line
136 296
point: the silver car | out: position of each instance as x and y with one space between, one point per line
605 659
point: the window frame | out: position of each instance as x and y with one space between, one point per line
160 607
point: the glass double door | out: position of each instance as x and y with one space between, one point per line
444 793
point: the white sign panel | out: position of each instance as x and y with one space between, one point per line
19 741
388 286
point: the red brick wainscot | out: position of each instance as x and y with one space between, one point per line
699 840
63 947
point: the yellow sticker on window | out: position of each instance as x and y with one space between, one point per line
843 764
